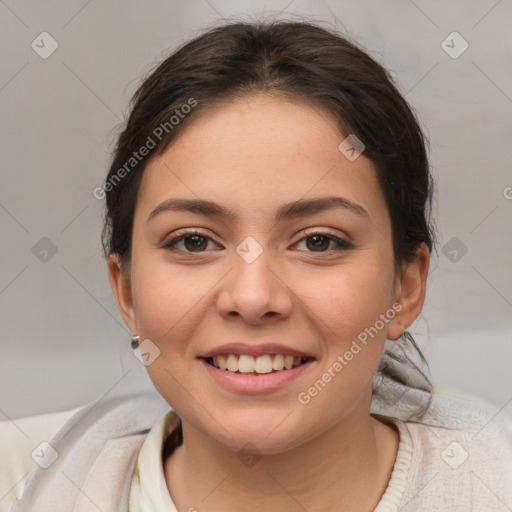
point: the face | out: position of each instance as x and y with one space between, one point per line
278 273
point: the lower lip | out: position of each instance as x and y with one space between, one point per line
249 383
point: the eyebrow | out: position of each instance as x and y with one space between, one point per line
299 208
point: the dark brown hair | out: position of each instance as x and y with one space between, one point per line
305 61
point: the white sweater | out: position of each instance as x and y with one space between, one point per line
457 458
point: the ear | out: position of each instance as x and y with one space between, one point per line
410 289
121 288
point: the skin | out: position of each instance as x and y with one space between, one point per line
252 155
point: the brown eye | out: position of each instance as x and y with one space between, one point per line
195 242
192 242
320 242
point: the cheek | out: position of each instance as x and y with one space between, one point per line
351 314
168 300
351 298
170 304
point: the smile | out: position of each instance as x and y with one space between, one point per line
262 364
252 382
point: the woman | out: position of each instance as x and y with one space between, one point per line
268 237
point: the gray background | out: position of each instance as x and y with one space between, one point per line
63 342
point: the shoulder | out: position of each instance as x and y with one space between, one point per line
469 419
104 437
21 440
462 454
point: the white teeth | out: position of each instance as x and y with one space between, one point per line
246 364
278 362
232 363
261 364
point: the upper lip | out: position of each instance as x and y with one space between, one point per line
255 350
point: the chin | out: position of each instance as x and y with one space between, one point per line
254 433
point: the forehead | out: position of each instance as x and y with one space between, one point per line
261 150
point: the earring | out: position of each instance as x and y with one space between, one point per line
135 341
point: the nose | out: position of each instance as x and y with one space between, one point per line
255 291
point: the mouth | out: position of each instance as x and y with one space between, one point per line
260 365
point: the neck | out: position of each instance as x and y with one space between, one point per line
347 467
